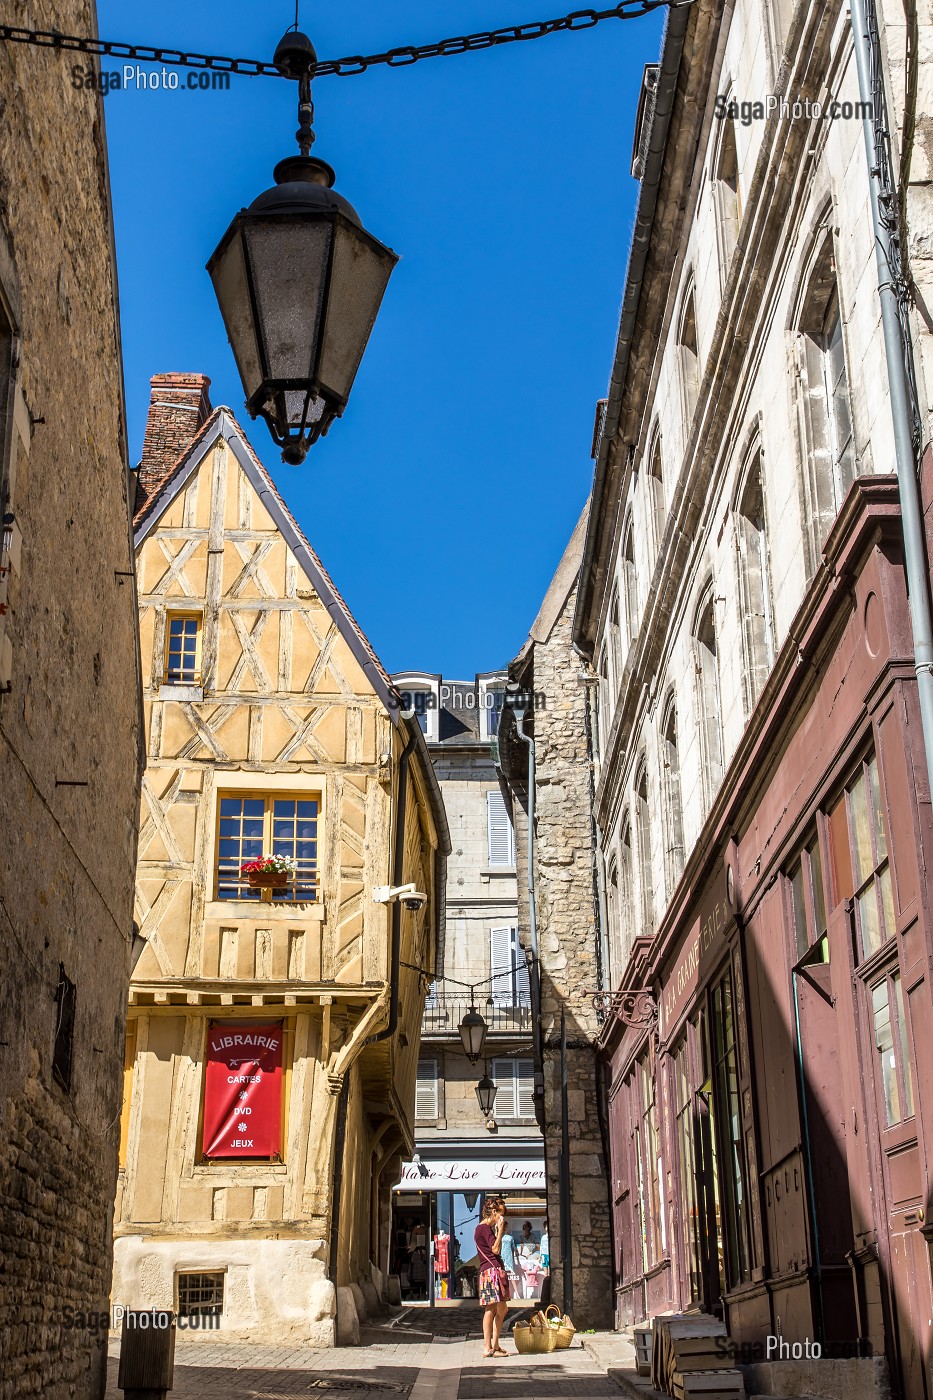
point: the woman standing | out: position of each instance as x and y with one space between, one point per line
493 1280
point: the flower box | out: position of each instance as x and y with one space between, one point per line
267 879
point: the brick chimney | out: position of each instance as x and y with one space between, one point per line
178 405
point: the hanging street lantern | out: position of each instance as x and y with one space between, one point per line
473 1034
486 1095
299 282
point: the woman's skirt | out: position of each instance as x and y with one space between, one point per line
493 1286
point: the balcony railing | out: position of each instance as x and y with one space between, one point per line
442 1014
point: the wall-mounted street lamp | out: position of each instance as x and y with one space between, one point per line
299 282
473 1034
486 1092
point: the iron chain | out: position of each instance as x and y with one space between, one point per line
401 57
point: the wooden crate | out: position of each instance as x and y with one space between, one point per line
726 1384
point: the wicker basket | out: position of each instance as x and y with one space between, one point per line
534 1341
560 1325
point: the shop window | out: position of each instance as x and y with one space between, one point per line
515 1086
687 1175
860 856
673 806
499 833
426 1092
200 1295
654 1233
830 450
754 582
643 821
251 825
508 969
892 1048
808 899
183 649
728 1108
709 700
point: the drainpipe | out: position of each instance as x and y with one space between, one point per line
398 864
566 1246
898 353
602 944
808 1155
519 711
340 1138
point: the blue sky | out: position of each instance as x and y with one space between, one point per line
442 500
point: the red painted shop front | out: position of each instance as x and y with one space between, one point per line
771 1099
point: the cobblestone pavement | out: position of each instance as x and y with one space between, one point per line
390 1367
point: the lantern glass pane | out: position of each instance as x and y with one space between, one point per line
288 261
359 276
228 274
295 407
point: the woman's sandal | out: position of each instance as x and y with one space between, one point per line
488 1354
498 1352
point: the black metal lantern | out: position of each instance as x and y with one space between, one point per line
486 1095
299 282
473 1034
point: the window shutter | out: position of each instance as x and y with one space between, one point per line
431 998
525 1072
426 1090
503 1076
522 982
501 847
500 964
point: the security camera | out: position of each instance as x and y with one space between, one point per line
410 897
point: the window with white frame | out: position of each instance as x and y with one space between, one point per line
491 699
515 1086
655 488
629 585
499 834
826 415
646 881
726 197
754 580
426 1091
673 808
709 700
615 642
508 969
689 358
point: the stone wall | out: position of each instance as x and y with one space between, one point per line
566 904
68 724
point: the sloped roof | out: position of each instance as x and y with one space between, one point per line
223 425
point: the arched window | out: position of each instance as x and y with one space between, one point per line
726 197
615 644
614 919
754 580
655 487
673 807
626 895
688 356
645 880
830 450
605 707
709 700
629 584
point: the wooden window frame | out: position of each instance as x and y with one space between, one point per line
268 797
901 1039
183 616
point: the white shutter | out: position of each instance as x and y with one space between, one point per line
431 998
503 1076
522 982
500 965
525 1072
426 1090
499 830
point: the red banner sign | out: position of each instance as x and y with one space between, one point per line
243 1090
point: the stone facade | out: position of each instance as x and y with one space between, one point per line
742 601
277 730
568 934
69 720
